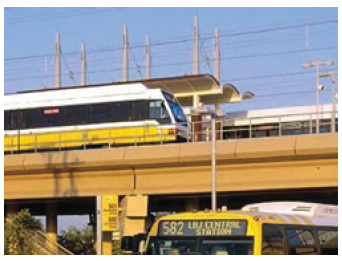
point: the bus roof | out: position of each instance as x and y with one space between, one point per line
263 217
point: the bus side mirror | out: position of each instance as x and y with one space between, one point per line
139 242
127 244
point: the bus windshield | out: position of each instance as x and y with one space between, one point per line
176 109
201 246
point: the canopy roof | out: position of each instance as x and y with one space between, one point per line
203 85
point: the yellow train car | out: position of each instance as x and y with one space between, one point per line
93 116
284 228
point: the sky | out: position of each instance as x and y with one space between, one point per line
261 49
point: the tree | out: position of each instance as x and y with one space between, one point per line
79 242
19 232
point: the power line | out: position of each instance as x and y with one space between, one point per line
189 62
161 43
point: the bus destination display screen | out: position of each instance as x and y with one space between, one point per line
202 228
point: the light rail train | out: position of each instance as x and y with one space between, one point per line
91 116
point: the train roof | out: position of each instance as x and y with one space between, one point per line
285 114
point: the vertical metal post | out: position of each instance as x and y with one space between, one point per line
280 126
317 98
148 59
195 57
83 65
217 55
250 128
213 163
125 58
99 224
333 100
58 61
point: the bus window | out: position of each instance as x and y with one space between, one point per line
172 246
231 246
328 240
273 242
301 241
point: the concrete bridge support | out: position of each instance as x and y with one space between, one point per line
134 215
51 224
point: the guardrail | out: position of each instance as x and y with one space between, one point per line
237 128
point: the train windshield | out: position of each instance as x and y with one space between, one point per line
176 109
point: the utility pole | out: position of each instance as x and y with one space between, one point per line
213 163
195 57
148 59
58 61
317 65
217 55
83 65
125 61
332 75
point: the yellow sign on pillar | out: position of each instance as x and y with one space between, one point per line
110 213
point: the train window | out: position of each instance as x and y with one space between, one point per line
101 113
76 115
158 111
139 110
121 111
7 122
273 242
52 117
31 118
13 120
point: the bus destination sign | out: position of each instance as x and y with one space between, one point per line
202 228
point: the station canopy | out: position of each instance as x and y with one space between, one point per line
205 86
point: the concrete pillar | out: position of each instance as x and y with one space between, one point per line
58 81
196 101
192 204
134 214
125 57
83 65
148 59
51 225
195 57
196 120
217 55
107 243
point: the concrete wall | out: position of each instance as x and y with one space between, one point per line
307 161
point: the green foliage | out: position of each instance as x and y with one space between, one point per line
79 242
19 232
117 247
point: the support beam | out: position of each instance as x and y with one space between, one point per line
196 101
83 65
195 57
58 81
148 59
217 55
51 225
125 57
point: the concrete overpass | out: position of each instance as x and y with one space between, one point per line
173 177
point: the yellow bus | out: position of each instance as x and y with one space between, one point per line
286 228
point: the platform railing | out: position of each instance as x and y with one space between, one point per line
237 128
